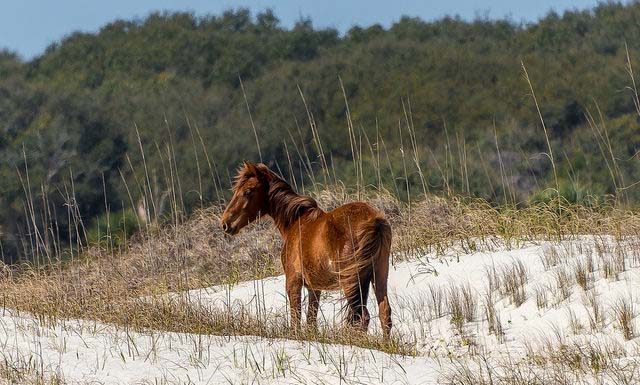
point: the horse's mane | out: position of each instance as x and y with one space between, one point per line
285 205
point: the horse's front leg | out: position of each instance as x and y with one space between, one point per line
312 311
294 292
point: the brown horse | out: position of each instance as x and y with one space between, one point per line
347 248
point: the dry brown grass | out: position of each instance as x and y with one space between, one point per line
437 224
541 295
25 372
513 280
595 313
601 362
564 284
624 313
437 305
493 317
461 303
581 274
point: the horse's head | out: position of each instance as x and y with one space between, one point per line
249 199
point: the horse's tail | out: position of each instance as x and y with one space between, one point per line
372 243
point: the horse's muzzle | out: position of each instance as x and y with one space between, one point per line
229 229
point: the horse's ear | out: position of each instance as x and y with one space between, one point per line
264 170
250 167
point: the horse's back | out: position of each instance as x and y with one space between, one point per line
349 217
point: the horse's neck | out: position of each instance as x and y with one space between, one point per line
286 206
279 202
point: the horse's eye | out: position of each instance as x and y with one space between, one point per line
248 192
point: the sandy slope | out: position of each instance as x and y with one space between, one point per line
87 352
81 352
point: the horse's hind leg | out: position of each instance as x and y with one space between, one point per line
357 294
312 310
360 318
380 276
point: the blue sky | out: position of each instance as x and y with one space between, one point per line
29 26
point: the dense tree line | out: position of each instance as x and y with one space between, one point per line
162 110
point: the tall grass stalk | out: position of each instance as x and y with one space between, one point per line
544 128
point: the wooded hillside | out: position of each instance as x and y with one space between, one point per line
159 109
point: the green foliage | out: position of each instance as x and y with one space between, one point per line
570 192
113 229
154 109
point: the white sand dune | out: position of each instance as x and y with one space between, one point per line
79 351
